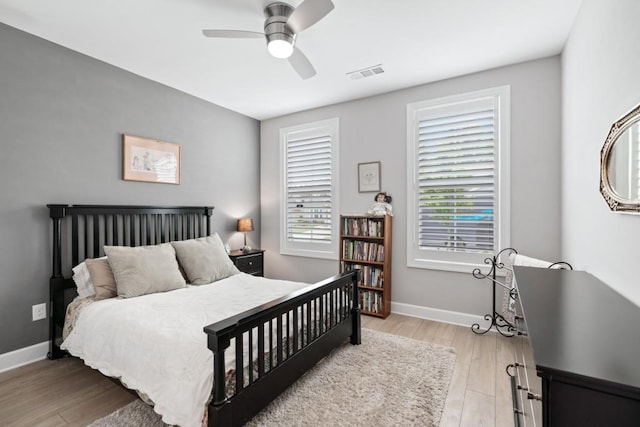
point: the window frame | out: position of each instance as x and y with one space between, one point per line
328 250
450 260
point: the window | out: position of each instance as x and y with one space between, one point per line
309 177
458 179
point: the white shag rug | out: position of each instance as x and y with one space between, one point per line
388 380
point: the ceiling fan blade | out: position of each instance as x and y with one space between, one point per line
233 34
301 64
308 13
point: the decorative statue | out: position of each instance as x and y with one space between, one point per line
381 205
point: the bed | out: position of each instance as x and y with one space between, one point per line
273 343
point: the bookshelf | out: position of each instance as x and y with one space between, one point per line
365 244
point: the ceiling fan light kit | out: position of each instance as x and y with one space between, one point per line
281 27
280 38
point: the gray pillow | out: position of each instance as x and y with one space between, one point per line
204 260
144 269
103 281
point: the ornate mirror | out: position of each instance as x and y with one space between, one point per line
620 164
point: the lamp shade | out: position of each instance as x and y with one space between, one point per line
245 224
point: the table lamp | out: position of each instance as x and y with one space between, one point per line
244 225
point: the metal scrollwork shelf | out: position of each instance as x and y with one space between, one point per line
502 325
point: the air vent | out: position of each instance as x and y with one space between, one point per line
366 72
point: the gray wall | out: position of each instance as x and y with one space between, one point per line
600 79
62 115
375 129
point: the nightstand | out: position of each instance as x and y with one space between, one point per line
251 262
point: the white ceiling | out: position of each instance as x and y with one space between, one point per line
416 41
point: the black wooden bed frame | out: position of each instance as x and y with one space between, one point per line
81 231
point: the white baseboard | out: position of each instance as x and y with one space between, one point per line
445 316
23 356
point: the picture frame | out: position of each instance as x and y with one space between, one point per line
369 177
150 160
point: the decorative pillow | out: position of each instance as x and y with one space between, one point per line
204 259
82 279
144 269
102 278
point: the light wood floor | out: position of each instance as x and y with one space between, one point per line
67 393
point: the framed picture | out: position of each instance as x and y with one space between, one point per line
369 177
150 160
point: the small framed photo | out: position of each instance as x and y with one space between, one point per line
150 160
369 177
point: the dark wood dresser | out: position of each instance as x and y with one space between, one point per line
585 339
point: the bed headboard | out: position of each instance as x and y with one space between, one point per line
82 231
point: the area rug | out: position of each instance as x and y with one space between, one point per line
388 380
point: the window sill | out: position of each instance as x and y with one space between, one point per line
458 267
310 254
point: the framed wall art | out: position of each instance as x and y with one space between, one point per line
150 160
369 177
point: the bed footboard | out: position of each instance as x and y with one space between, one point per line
284 338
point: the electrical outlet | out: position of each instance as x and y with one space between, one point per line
39 311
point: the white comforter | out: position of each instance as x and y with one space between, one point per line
155 343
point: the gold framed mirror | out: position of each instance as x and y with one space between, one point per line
620 164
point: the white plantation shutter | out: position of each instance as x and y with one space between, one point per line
309 181
309 189
458 179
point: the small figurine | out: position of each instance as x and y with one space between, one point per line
381 205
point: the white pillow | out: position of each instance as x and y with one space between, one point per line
527 261
83 282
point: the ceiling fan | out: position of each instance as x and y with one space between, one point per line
281 27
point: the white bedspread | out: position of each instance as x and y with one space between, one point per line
155 343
